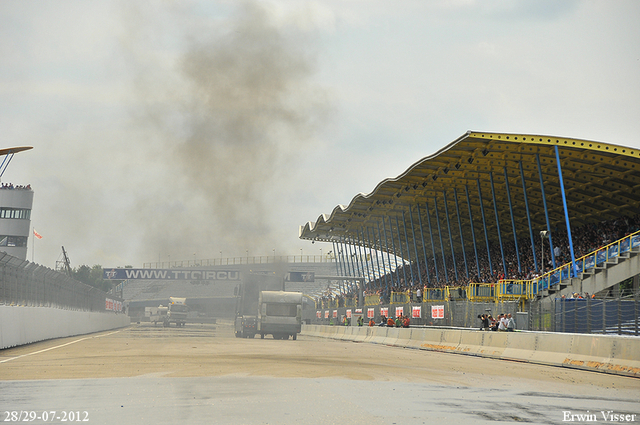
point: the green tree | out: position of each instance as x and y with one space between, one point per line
91 276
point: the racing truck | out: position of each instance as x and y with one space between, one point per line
177 312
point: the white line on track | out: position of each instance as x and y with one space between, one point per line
58 346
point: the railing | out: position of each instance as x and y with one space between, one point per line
263 259
584 264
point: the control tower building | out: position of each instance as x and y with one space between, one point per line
15 210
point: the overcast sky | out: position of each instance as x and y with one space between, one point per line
179 130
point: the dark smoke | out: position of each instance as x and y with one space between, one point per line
243 107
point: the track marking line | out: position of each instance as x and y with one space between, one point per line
58 346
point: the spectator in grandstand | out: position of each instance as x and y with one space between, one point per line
419 295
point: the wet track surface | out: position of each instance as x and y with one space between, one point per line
202 374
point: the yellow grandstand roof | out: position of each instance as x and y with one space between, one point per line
601 180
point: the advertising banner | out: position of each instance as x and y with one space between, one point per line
437 312
349 313
384 311
370 313
416 311
169 274
399 311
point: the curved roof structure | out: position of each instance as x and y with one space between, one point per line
466 177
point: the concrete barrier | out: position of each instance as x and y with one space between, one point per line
602 353
24 325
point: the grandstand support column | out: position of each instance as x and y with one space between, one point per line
444 261
526 206
335 255
361 248
484 226
464 251
453 253
495 210
513 222
384 269
352 263
546 213
343 252
473 232
393 244
566 211
433 247
377 260
406 239
424 247
636 286
415 246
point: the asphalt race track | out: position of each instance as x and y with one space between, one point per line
203 374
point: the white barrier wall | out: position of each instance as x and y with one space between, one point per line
603 353
24 325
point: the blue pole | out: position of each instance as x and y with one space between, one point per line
546 214
415 246
433 245
526 205
453 253
566 213
484 225
444 261
384 269
424 246
464 253
338 265
377 260
495 210
513 222
473 233
406 239
366 262
393 244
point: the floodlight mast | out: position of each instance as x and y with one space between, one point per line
543 234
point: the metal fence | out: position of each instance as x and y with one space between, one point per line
452 313
28 284
604 316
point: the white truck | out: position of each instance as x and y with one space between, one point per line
279 314
177 312
156 314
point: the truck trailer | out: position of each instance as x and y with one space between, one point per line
247 297
279 314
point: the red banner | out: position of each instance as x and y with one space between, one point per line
370 313
399 311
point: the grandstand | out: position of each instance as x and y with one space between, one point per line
551 216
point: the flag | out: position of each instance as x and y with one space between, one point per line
36 234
